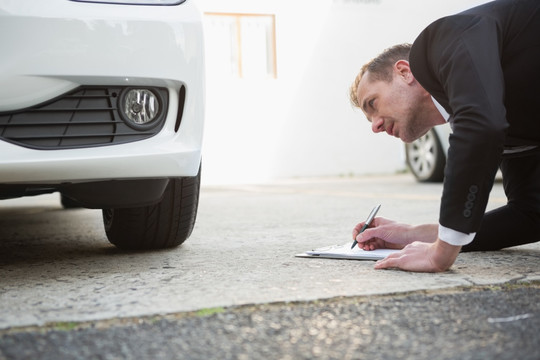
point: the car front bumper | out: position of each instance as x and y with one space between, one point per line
51 48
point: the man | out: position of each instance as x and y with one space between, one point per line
479 70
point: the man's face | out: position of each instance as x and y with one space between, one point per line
392 107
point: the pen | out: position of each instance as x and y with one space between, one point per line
368 221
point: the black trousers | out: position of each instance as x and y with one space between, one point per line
518 222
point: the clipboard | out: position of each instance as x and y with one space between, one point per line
345 252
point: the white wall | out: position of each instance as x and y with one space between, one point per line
302 124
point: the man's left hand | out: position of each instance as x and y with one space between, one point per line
422 257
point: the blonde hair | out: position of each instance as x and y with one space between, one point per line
380 68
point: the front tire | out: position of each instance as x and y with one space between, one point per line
163 225
425 158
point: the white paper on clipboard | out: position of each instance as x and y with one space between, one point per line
345 252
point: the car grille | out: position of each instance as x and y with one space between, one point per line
84 117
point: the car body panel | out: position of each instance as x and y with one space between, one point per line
52 47
426 156
443 134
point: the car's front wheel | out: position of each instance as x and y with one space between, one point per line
425 158
163 225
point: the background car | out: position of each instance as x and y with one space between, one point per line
103 101
426 157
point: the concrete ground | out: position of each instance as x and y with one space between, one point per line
481 322
56 265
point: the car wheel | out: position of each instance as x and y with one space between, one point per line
163 225
425 158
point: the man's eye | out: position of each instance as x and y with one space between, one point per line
370 103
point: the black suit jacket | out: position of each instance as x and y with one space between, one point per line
483 67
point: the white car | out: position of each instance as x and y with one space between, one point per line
103 101
426 157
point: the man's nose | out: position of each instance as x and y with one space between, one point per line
377 125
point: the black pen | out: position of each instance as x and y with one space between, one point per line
368 221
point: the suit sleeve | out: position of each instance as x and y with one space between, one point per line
463 56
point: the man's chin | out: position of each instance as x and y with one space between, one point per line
409 139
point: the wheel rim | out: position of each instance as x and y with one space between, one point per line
422 155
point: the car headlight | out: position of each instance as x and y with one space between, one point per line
134 2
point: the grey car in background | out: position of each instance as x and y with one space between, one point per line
426 157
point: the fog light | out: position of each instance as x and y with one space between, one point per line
140 106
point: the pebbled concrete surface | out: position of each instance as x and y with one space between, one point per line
57 266
496 322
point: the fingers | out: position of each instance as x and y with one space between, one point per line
417 256
370 239
357 229
371 231
367 245
391 261
373 244
367 235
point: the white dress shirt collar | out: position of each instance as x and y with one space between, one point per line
439 107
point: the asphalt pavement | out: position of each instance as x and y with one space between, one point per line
235 290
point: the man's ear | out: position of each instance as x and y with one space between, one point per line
403 70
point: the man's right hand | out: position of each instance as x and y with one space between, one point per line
388 234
